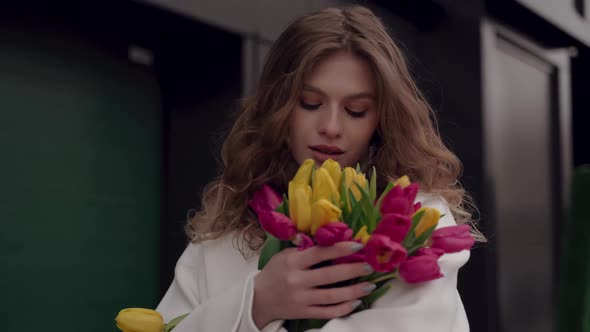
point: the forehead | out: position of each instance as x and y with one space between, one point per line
341 73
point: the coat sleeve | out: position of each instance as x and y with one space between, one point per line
229 310
425 307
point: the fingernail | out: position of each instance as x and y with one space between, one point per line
368 268
369 288
356 247
356 304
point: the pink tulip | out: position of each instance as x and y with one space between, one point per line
333 232
383 254
452 239
277 224
394 226
429 251
303 241
417 207
265 199
421 267
400 200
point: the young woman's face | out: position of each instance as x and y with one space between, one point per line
336 115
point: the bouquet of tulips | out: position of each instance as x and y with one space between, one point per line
329 204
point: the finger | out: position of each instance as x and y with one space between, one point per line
337 295
335 273
319 254
332 311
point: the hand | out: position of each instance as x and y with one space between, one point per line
288 289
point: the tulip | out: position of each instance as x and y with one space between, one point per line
383 254
333 232
139 320
353 177
453 238
265 199
277 224
393 225
362 235
429 219
303 241
334 170
323 186
300 205
303 175
400 200
322 213
421 267
403 182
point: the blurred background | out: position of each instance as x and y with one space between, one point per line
112 113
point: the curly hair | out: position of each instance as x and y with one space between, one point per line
255 152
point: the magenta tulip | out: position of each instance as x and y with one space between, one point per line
303 241
453 238
277 224
429 251
383 254
333 232
265 199
393 225
421 267
400 200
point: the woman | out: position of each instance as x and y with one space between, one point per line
336 86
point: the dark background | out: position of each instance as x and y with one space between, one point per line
113 112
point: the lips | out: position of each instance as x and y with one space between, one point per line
327 149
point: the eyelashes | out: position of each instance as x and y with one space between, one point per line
310 107
352 113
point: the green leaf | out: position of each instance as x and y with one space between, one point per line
172 324
358 168
373 186
367 207
272 245
376 294
409 240
344 198
354 217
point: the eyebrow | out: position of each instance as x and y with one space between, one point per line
359 95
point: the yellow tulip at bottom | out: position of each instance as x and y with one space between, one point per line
139 320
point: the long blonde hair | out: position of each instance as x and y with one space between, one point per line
255 151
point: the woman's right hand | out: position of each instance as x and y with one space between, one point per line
288 289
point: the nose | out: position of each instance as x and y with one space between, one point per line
330 124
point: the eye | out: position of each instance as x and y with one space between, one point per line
356 114
310 107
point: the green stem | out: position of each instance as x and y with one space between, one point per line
388 276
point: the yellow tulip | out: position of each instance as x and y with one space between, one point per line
139 320
303 175
363 235
323 187
353 177
300 205
334 170
404 181
323 212
429 218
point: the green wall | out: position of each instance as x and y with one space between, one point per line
80 183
